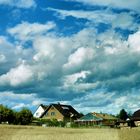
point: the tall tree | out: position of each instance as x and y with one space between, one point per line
123 114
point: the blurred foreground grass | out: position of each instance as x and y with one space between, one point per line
10 132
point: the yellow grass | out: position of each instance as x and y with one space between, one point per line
39 133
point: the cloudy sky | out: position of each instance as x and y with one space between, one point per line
80 52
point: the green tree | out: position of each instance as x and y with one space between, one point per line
6 114
24 117
123 114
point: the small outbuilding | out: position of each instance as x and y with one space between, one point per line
89 120
100 119
136 118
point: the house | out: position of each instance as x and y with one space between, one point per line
89 119
40 110
100 119
60 112
108 120
136 118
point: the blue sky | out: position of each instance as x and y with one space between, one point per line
80 52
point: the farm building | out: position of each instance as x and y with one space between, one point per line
60 112
108 120
136 118
89 119
100 119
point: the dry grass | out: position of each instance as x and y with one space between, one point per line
39 133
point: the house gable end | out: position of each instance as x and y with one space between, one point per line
53 113
39 111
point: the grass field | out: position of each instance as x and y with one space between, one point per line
39 133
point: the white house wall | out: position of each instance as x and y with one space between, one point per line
38 112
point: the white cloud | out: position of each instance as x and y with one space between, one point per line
20 105
80 57
19 3
134 41
17 76
71 79
30 30
75 64
125 21
96 16
121 20
75 82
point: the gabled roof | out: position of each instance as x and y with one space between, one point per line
90 117
44 106
65 110
97 117
136 116
41 105
105 116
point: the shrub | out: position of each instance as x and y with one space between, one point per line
24 117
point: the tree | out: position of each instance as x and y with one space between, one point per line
6 114
123 115
24 117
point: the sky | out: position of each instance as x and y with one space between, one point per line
85 53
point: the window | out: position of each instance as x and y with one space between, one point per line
47 114
52 113
37 114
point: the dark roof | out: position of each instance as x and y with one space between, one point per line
136 115
44 106
65 110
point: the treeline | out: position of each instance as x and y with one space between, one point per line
10 116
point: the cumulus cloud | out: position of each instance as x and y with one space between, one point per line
105 60
79 58
72 67
94 67
17 76
134 41
19 3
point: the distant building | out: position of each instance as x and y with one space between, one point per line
108 120
136 118
58 111
100 119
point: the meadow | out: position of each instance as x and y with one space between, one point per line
10 132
